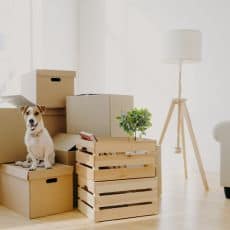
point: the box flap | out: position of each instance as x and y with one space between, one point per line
56 171
101 94
14 101
55 73
13 170
65 141
39 173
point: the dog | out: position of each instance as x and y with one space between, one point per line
39 144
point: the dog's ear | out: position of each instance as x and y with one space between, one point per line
41 108
24 108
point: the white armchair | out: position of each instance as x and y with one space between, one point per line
222 135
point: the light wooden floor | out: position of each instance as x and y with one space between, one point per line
184 205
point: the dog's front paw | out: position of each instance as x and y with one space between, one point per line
41 164
19 163
32 168
26 164
48 165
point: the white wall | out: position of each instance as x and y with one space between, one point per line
60 34
15 58
55 35
103 46
206 84
92 46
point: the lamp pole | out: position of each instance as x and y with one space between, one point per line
178 148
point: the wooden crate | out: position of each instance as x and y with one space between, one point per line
110 200
117 178
115 159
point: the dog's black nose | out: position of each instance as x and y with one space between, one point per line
31 121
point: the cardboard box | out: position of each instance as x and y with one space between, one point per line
12 132
65 148
97 114
65 153
36 193
55 121
48 87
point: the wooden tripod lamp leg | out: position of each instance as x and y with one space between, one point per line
183 142
195 146
167 122
178 148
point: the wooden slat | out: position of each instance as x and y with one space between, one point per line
124 173
122 159
125 185
126 212
84 158
89 145
86 196
158 169
123 145
82 182
85 172
125 198
86 210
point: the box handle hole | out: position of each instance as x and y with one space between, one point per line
51 180
55 79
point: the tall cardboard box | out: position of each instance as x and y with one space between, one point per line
97 113
55 121
65 153
12 131
36 193
48 87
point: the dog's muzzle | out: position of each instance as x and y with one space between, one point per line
33 125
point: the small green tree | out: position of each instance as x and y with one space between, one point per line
136 120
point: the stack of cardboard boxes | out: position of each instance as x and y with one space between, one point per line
41 192
91 113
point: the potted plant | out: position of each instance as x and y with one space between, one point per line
135 121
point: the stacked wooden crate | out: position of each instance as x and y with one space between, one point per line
118 178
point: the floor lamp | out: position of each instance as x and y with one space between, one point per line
183 46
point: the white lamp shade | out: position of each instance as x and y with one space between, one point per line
182 46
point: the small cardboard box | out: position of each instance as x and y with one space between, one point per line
65 152
12 132
97 114
36 193
65 148
48 87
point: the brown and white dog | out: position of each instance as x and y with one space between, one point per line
39 144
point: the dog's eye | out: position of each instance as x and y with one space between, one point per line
36 113
27 113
